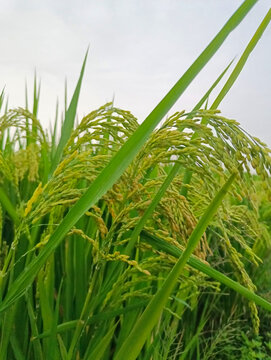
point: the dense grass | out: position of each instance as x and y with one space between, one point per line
99 223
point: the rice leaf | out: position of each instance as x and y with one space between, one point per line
197 264
103 316
62 348
8 206
16 348
36 97
69 119
100 348
52 347
242 61
2 97
151 208
54 132
216 82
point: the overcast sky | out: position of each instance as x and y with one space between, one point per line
138 50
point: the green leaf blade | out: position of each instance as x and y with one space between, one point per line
69 119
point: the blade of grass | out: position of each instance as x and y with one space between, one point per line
195 337
45 310
18 354
69 119
52 352
62 348
103 316
100 348
6 105
65 96
197 264
151 208
136 339
54 132
45 162
217 81
38 354
2 97
242 61
123 158
36 97
7 321
27 130
8 206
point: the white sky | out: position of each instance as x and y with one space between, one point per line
138 50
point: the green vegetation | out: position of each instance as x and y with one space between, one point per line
127 241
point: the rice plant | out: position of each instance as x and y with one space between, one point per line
128 241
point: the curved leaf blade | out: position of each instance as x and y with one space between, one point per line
69 120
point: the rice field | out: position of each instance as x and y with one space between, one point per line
124 241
